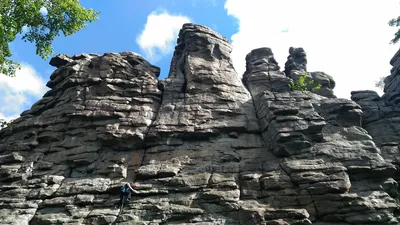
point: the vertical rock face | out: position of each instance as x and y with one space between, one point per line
381 116
263 73
203 146
297 60
203 94
204 141
63 157
392 82
329 161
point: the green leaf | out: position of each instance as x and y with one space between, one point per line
395 23
301 85
63 16
380 83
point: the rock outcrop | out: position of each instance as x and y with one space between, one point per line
381 117
203 146
296 66
64 157
329 161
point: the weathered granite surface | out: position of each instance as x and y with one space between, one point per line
203 146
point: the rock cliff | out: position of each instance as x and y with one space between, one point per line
203 146
381 116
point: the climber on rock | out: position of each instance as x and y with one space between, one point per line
127 191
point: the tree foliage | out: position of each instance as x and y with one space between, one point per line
40 22
302 85
4 124
380 83
395 22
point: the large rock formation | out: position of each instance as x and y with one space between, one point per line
381 116
63 157
203 146
332 165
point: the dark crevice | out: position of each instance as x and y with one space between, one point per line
217 52
181 70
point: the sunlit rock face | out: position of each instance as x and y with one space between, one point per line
63 158
204 146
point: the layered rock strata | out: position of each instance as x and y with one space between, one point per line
203 146
381 117
332 164
62 160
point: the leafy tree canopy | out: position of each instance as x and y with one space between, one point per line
395 22
380 83
40 22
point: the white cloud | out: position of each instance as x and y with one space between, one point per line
43 11
346 39
25 29
160 33
8 118
26 80
20 92
213 3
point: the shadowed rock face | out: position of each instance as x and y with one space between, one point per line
203 146
381 115
297 60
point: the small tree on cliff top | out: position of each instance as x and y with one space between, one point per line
42 21
301 85
4 123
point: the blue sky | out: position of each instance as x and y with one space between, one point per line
340 38
121 23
